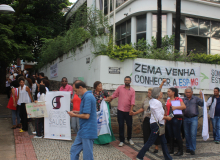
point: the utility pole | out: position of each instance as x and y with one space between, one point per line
177 30
114 4
159 23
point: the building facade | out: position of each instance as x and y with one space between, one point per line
137 19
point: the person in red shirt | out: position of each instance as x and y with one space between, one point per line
76 108
126 101
174 126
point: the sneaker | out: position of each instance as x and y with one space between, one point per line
22 131
131 142
188 151
217 142
121 144
138 159
13 127
34 132
37 136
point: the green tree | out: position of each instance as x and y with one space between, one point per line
21 32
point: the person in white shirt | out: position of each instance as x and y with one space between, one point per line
24 96
157 116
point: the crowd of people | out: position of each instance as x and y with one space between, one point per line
157 114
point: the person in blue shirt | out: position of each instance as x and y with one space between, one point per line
88 124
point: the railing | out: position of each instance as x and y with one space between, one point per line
216 1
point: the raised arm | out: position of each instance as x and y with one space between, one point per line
161 85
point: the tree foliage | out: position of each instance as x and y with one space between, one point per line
21 32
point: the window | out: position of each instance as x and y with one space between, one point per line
123 33
120 2
215 31
192 25
164 25
141 27
204 27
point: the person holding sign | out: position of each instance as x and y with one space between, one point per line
39 122
100 95
190 121
24 96
88 124
175 105
157 122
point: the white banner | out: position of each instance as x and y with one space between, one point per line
152 75
214 79
205 127
57 125
53 71
103 119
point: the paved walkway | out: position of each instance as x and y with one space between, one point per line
28 148
7 147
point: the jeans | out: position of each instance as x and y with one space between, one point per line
75 123
23 115
82 144
174 128
190 129
147 131
153 136
15 114
216 127
124 116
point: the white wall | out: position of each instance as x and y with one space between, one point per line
75 66
98 69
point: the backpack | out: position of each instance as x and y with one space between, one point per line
212 100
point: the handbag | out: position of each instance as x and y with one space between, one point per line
161 128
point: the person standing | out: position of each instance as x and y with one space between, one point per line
190 121
214 113
100 95
88 124
147 115
8 88
24 96
174 126
157 118
76 108
13 105
39 122
126 101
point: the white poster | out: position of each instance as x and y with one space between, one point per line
102 119
152 75
205 126
214 79
57 125
53 71
36 110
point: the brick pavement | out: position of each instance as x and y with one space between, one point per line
23 146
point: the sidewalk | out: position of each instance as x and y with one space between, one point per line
7 146
28 148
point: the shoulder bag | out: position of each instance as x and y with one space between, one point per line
161 128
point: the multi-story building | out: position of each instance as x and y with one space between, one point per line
137 19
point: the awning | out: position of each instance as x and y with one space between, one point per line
182 25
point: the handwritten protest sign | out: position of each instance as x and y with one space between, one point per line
36 110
